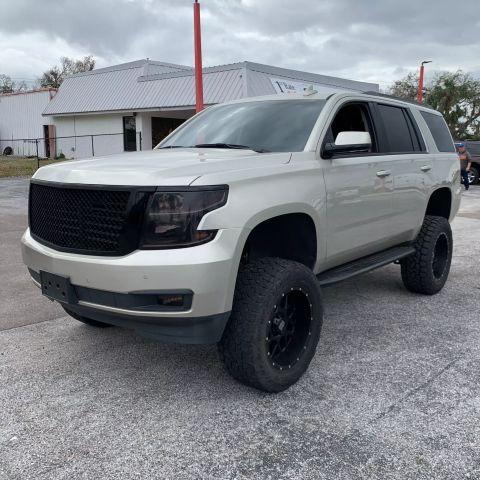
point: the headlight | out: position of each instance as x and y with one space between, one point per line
173 217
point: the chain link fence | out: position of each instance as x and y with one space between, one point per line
73 146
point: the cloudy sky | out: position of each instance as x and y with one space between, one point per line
370 40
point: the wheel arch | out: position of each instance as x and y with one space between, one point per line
290 233
440 203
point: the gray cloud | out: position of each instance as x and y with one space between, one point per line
366 40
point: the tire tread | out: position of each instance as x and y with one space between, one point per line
238 347
417 269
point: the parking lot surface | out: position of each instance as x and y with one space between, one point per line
392 393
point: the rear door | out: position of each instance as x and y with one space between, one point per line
359 190
404 155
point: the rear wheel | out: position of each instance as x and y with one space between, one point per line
275 324
473 175
87 321
426 271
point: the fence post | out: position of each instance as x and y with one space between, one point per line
140 134
36 147
93 150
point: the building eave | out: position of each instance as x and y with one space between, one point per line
121 111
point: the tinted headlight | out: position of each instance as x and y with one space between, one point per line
173 217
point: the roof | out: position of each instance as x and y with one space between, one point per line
26 92
338 93
151 85
422 106
148 66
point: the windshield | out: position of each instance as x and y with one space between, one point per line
264 126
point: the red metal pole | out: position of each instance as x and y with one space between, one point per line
420 84
198 57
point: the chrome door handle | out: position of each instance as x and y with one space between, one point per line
426 168
383 173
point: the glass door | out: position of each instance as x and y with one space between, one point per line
129 134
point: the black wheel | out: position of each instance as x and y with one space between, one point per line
473 175
426 271
87 321
8 151
275 324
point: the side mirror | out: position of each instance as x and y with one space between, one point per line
348 142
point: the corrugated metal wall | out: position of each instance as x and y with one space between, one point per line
107 129
21 117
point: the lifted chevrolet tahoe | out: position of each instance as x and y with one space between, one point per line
227 230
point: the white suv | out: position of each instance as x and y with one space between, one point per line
226 231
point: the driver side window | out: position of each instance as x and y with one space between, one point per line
353 117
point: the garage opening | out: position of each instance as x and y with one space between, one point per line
161 127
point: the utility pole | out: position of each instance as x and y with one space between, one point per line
420 81
197 33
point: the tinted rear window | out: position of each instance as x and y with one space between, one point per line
440 131
397 129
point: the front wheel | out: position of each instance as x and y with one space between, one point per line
426 271
275 324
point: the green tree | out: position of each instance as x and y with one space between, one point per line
6 84
406 87
53 77
455 94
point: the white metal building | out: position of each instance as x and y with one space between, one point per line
21 122
134 105
141 102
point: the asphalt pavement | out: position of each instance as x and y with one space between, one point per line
392 393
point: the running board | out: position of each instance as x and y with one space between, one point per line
363 265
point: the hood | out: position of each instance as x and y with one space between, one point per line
157 167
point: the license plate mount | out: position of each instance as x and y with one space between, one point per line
57 287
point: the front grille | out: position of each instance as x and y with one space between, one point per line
103 221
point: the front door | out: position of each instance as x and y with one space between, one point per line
129 134
46 136
359 191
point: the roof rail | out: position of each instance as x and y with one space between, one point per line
393 97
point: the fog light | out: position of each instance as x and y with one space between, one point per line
171 300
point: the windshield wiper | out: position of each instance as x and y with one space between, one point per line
230 145
174 146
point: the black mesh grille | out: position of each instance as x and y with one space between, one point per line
84 220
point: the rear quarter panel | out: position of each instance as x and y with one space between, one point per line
445 170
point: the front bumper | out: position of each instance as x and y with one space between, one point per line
209 271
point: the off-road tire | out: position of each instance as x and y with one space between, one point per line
474 175
426 271
261 287
87 321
